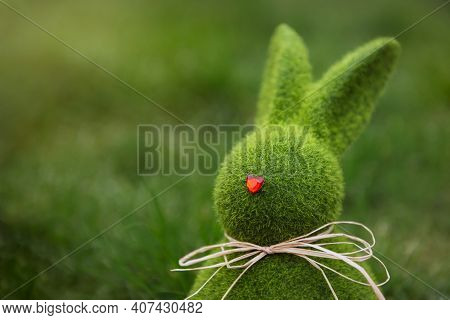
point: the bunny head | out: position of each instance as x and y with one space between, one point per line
284 179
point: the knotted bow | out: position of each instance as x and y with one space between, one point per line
306 246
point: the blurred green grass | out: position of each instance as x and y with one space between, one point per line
68 136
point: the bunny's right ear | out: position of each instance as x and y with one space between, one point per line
286 77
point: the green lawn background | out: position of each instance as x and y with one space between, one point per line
68 136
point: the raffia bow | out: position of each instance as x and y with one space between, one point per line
306 246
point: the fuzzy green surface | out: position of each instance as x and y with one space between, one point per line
286 77
283 276
341 102
303 186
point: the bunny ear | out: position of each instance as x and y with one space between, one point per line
341 103
286 76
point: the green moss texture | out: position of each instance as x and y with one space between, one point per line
304 128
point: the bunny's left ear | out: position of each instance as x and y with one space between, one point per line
341 103
286 77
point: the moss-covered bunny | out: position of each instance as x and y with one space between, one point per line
300 162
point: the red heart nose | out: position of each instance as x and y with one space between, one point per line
254 183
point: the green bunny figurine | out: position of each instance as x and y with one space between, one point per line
296 183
